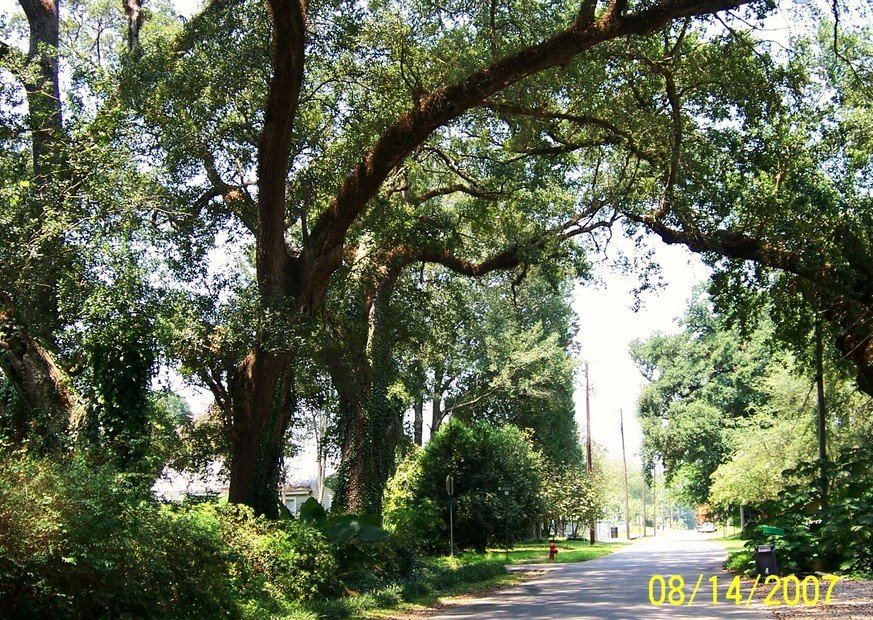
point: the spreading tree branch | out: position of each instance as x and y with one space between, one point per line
289 30
579 119
446 103
676 148
738 246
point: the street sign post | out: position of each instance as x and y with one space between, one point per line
450 489
505 491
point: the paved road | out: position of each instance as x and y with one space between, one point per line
616 586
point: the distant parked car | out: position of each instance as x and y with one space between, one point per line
706 528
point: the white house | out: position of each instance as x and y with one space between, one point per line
294 496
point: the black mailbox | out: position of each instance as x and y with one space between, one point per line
765 560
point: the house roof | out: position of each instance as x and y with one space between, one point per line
298 490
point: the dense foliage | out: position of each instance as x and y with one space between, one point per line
573 498
497 487
82 540
831 536
703 381
727 412
328 214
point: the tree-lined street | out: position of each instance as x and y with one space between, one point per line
357 227
615 587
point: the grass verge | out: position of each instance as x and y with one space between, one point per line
740 559
438 580
732 543
568 551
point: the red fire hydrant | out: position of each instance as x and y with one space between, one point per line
553 550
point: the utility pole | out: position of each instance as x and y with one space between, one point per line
624 462
822 429
654 500
589 466
644 503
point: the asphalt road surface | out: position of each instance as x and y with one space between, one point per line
617 586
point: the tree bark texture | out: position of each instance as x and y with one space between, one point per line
133 10
47 399
261 406
370 422
43 92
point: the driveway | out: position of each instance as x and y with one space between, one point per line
617 586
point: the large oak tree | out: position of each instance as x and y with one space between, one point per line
292 279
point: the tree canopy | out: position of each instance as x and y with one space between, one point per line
283 198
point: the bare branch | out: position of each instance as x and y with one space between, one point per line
235 197
676 148
509 258
579 119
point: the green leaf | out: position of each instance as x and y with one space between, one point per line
313 513
347 531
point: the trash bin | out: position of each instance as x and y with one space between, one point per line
765 560
613 532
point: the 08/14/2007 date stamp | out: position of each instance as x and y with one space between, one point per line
790 590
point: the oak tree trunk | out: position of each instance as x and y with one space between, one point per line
46 397
261 406
43 90
418 422
371 422
261 389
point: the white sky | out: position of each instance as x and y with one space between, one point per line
608 325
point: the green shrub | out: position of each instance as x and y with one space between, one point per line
417 527
742 562
282 559
482 459
367 555
332 609
838 536
391 596
80 540
415 589
360 603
